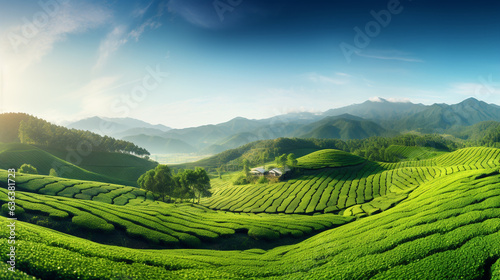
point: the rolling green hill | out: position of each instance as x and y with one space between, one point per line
79 189
336 189
127 168
447 228
13 155
343 217
84 208
328 158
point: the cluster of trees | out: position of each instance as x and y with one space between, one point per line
286 160
9 124
40 132
185 184
28 169
373 148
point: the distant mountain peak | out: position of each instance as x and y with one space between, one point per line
470 100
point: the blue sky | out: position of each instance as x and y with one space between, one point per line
192 62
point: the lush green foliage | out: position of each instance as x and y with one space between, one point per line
53 172
372 148
87 190
28 169
328 158
193 183
171 225
400 152
13 155
447 228
116 165
9 122
185 184
37 131
344 186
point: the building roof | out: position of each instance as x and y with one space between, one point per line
276 170
258 170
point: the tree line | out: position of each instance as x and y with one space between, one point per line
185 184
373 148
33 130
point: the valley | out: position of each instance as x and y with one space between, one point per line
344 215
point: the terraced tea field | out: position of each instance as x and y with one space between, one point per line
343 184
328 158
350 219
87 190
446 228
103 208
413 153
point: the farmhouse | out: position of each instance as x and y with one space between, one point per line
277 172
258 171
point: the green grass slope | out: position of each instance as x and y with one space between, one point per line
116 165
328 158
13 155
447 228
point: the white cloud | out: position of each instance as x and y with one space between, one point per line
465 88
94 98
375 99
96 86
398 99
342 74
139 12
390 99
195 13
485 90
338 79
121 34
114 40
22 45
388 55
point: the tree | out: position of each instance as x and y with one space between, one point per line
281 162
246 167
28 169
164 181
291 160
219 170
264 157
187 180
53 172
196 182
158 180
202 183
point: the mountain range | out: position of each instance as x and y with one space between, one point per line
118 127
371 118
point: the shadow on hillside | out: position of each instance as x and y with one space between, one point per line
241 241
118 237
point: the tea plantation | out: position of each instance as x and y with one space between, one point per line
437 218
341 184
